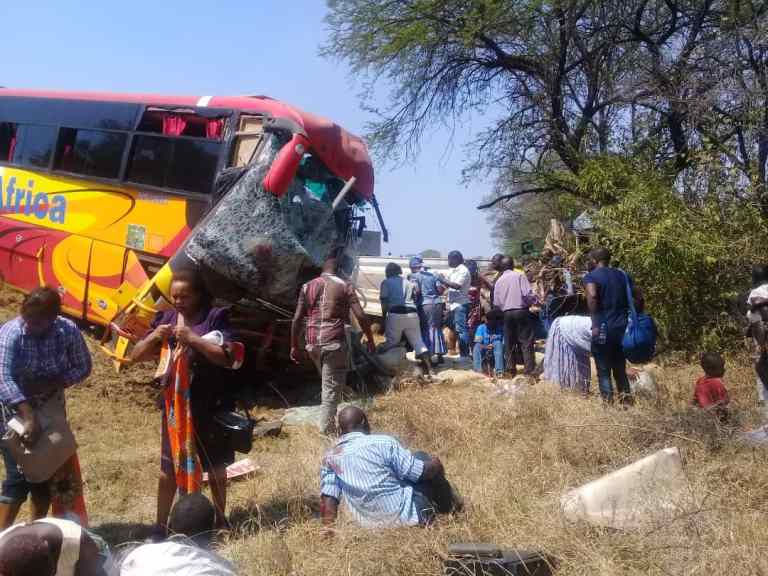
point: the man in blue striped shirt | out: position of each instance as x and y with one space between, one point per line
381 483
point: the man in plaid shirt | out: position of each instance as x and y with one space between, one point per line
325 303
40 354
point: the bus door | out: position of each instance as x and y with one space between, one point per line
113 270
250 132
89 275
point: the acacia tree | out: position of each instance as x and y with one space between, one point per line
541 67
564 80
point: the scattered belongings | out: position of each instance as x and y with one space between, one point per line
302 415
513 387
476 559
756 437
642 382
634 496
462 377
238 470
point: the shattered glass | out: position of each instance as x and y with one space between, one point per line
261 243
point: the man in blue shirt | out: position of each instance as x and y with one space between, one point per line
41 353
606 289
381 483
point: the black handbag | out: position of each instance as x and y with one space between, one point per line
236 428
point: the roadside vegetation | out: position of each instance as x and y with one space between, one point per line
511 459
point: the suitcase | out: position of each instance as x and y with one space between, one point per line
475 559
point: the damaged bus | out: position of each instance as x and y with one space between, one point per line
104 195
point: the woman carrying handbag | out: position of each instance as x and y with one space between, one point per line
193 342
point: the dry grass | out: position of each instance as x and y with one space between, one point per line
511 460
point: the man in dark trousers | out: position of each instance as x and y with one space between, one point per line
323 310
608 305
512 293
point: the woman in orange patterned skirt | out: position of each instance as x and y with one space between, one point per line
193 341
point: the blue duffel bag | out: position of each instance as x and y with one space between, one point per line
639 341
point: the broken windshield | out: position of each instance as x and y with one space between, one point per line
263 243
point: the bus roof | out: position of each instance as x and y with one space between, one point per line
345 154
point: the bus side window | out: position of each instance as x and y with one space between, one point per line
149 160
194 165
7 141
34 145
182 164
91 152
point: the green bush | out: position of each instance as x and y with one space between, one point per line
691 257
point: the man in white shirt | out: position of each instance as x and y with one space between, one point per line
458 282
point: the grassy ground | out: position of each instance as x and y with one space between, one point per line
511 460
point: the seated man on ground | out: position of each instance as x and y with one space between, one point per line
381 483
192 524
489 343
710 393
52 547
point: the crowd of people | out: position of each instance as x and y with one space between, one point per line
490 314
477 314
494 317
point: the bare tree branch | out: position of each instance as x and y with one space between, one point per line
511 195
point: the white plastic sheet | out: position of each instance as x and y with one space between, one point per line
643 493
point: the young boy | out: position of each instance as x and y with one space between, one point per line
489 339
710 393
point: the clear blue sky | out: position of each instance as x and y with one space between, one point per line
240 47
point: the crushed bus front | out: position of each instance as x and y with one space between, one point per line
275 220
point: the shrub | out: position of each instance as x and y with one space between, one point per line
691 257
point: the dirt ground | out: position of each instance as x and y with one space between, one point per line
510 459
